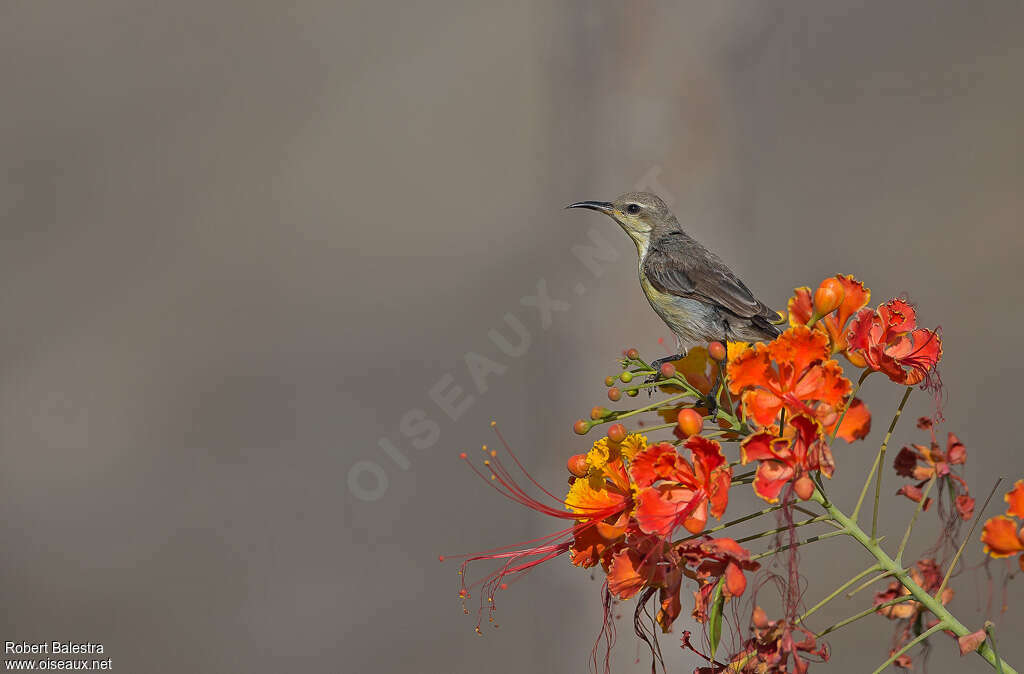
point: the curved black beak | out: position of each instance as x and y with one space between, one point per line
601 206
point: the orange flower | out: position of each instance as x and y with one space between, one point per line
1001 536
855 297
888 340
799 377
782 459
672 491
856 422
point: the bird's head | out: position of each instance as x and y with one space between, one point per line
640 214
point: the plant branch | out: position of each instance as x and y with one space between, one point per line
963 543
910 644
881 460
913 520
836 593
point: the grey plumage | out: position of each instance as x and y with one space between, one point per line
690 288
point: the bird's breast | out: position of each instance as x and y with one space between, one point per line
694 322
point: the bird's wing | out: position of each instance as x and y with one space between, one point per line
704 278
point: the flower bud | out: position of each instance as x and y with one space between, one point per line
577 465
690 422
626 377
616 432
609 381
804 487
632 393
599 412
614 394
717 350
632 354
760 618
668 370
581 427
828 296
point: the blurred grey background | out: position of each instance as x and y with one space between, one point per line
242 241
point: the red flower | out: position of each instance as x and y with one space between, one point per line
855 297
1001 536
922 463
707 560
888 340
774 642
800 377
672 491
928 575
800 449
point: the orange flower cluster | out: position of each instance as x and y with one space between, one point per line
1003 535
633 499
639 511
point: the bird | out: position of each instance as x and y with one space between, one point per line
693 291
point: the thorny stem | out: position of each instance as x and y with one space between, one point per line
963 544
887 563
913 520
881 460
910 644
836 593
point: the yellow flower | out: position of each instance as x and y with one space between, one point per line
633 444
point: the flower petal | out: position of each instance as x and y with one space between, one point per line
1015 499
624 579
751 367
762 405
1000 537
771 477
800 306
856 424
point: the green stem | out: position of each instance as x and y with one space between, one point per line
929 602
731 523
836 592
910 644
863 614
771 532
913 520
881 460
846 407
989 631
646 408
867 583
963 543
812 539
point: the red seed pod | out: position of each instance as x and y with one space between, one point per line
632 354
717 350
599 412
828 296
804 487
668 370
616 432
577 465
581 427
614 394
690 422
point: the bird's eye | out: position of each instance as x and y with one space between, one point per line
633 209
